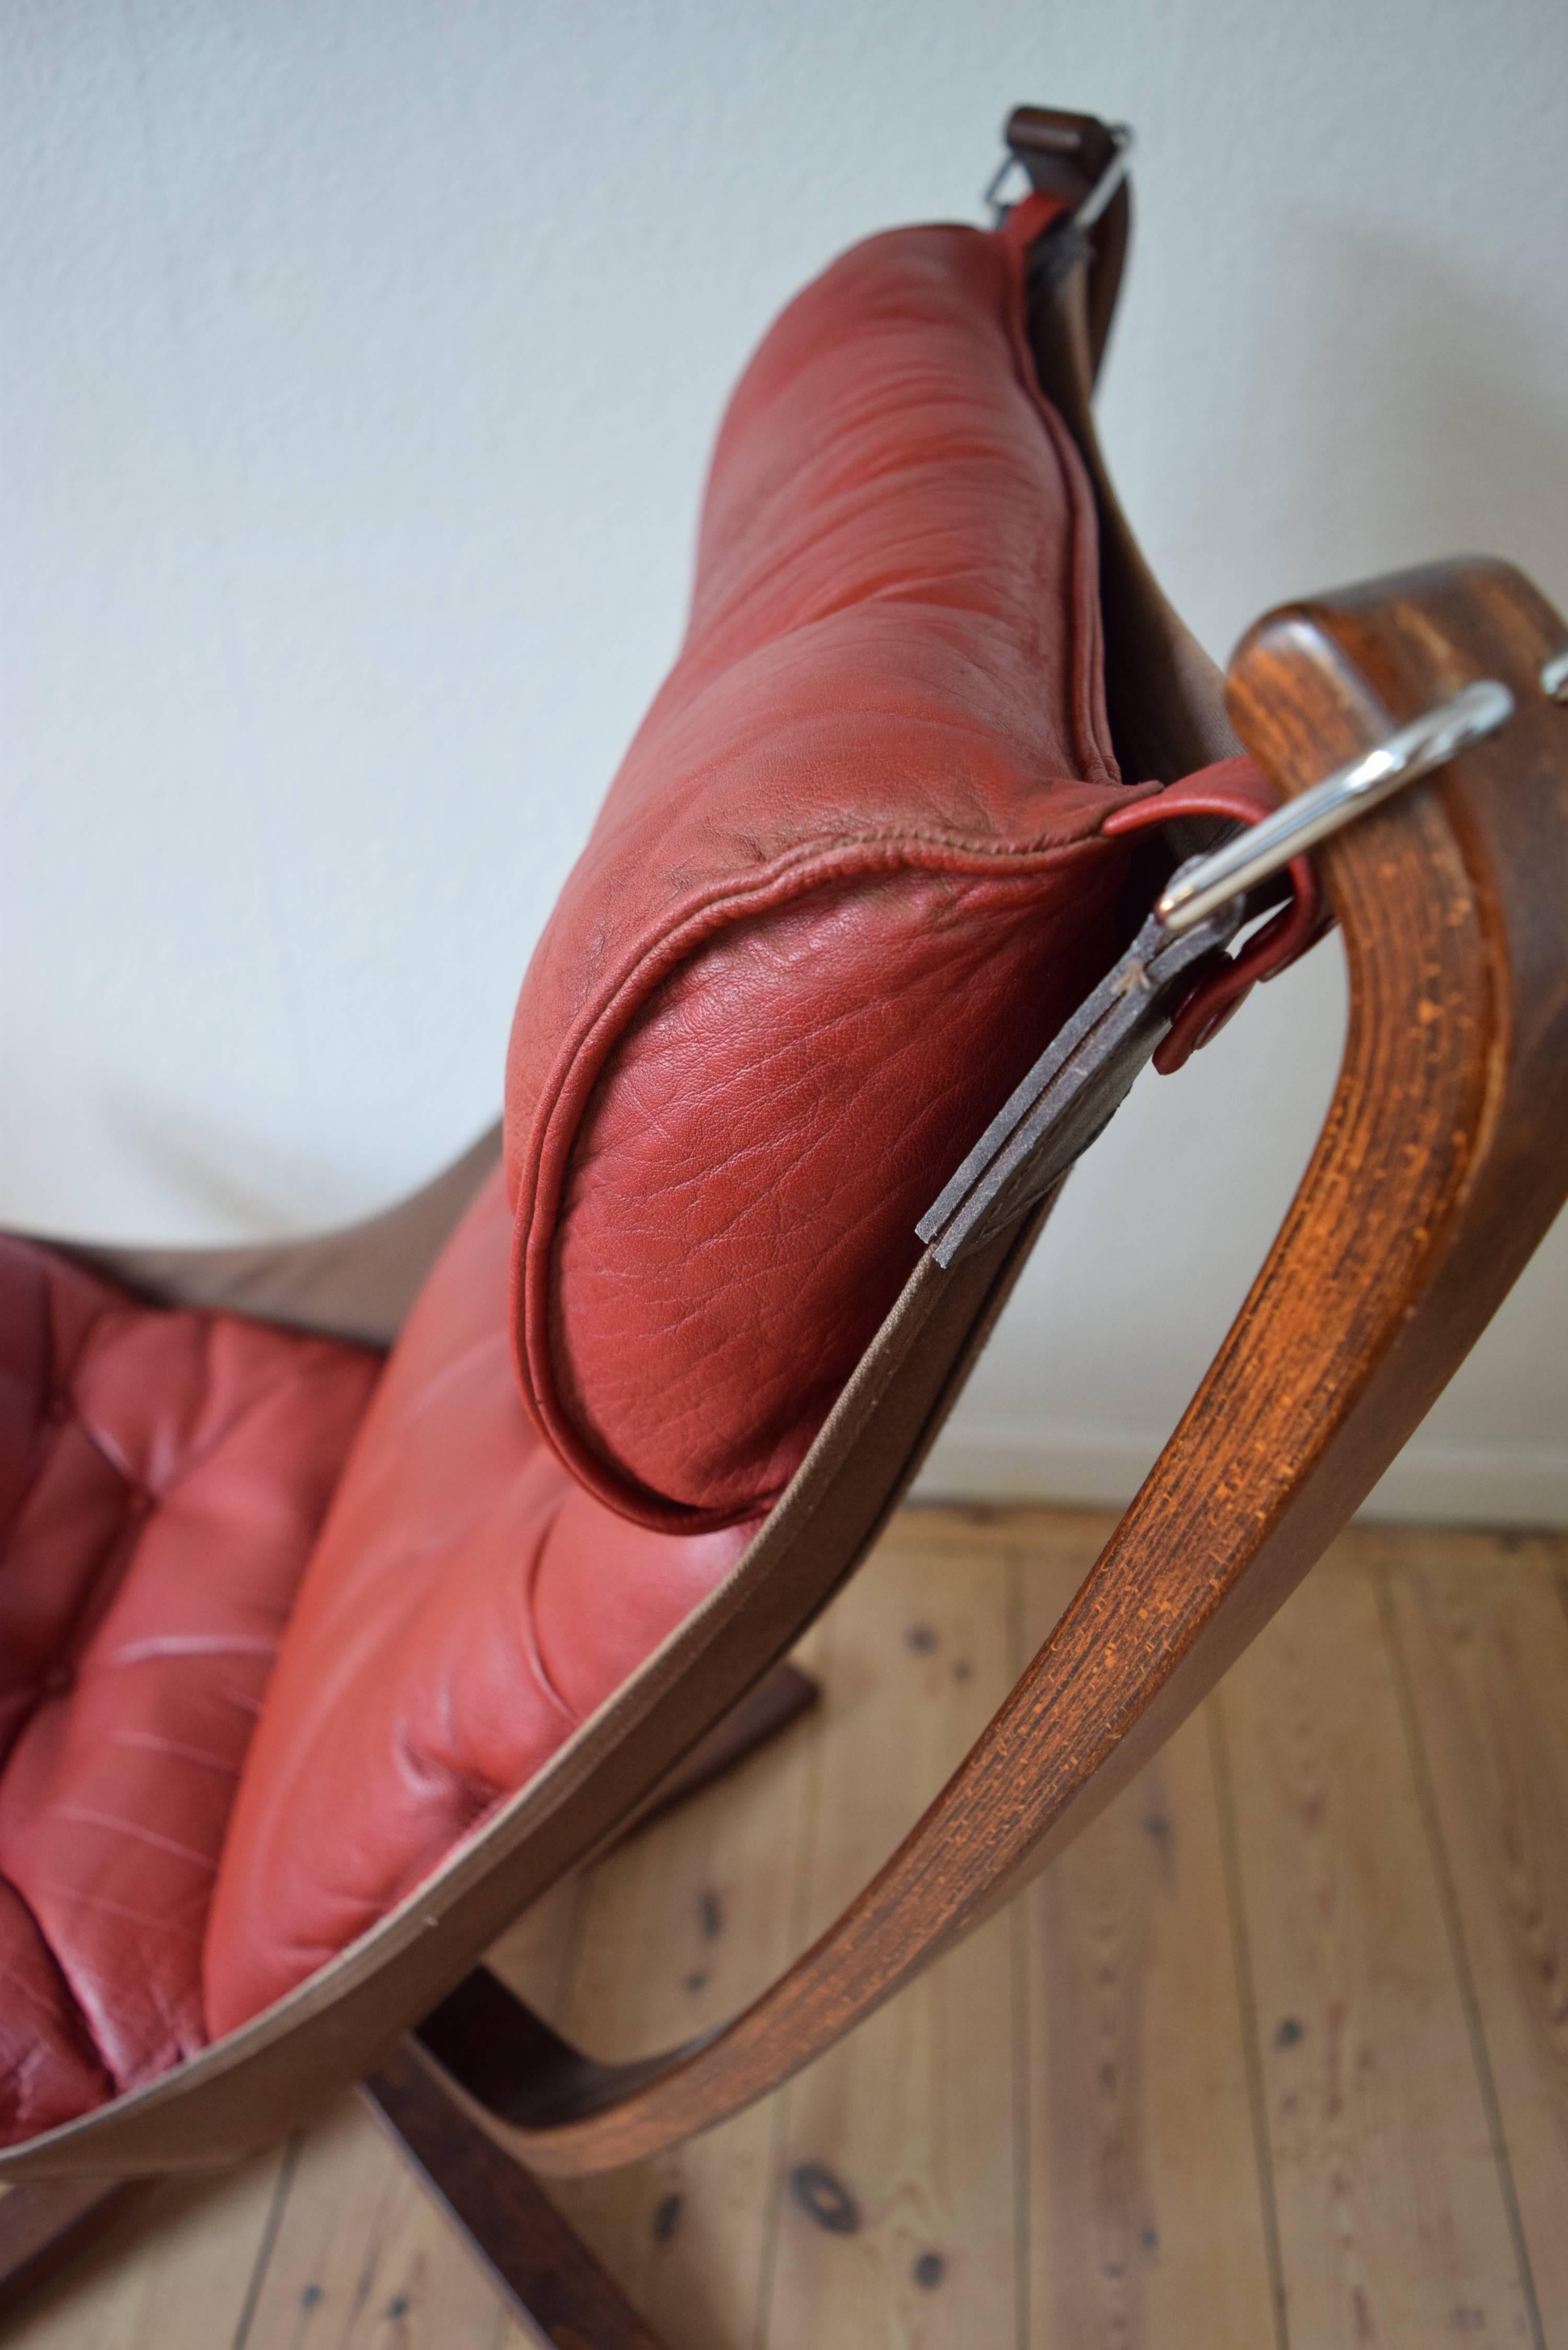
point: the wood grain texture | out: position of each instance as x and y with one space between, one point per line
543 2272
44 2228
1125 1934
1148 2219
894 2211
363 2258
172 2270
384 2258
694 1915
1488 1665
1393 2217
537 1954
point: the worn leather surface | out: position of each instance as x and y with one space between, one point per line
858 834
467 1606
162 1478
846 884
850 879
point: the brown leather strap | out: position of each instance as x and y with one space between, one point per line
1064 156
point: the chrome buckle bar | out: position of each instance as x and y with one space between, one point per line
1427 742
1110 178
1091 207
1087 1070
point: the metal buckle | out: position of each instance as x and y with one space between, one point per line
1087 1072
1427 742
1075 1088
1554 676
1092 206
1110 178
997 181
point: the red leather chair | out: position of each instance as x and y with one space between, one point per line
322 1662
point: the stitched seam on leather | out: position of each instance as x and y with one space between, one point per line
543 1169
582 1061
1086 661
819 862
533 1250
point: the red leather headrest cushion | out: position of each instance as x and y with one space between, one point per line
844 889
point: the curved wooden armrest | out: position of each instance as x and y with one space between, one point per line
1442 1160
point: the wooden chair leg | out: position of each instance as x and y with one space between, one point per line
532 2253
547 2273
42 2227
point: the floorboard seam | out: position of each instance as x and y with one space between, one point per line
820 1661
1023 2150
1247 1997
263 2260
1453 1922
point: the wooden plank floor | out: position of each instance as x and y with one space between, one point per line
1277 2054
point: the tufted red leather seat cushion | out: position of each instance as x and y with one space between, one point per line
845 888
162 1479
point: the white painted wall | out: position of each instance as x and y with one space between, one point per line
360 362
